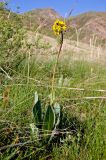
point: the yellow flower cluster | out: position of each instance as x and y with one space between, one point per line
59 27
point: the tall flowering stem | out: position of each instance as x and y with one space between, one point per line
59 27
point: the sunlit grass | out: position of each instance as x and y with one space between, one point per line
80 91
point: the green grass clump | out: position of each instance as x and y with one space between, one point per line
85 137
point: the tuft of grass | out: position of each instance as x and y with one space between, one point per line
77 83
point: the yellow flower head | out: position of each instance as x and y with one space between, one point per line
59 27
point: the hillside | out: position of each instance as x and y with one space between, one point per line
40 17
91 25
86 27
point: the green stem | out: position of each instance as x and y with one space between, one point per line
54 69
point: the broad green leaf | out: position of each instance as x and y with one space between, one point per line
37 111
57 108
36 98
57 113
49 119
